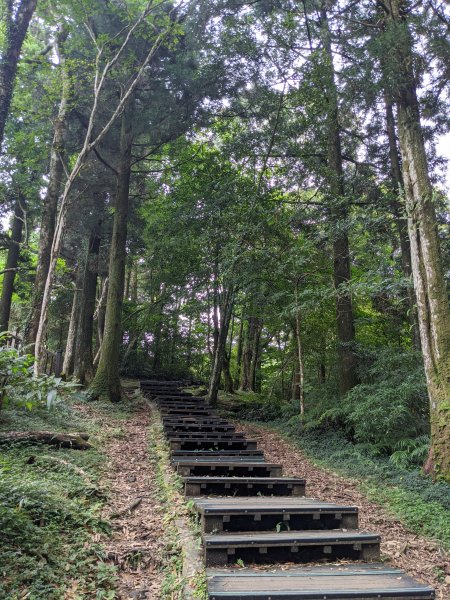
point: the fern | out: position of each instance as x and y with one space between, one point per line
410 453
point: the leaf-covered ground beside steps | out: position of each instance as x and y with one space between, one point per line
418 556
79 525
136 544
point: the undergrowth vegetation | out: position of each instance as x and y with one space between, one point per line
377 434
18 386
50 511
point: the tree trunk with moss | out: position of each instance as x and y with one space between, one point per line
84 369
227 378
239 353
400 220
16 18
428 273
348 377
69 353
107 381
12 260
56 178
226 312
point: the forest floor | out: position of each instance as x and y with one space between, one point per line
419 556
99 523
136 543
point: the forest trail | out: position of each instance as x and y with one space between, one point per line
311 545
137 541
420 557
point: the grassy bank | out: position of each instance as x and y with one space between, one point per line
50 509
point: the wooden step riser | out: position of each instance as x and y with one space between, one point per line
181 406
212 444
180 403
168 394
188 420
201 429
186 413
245 489
282 522
225 471
219 557
231 455
215 435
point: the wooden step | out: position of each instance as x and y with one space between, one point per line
187 406
182 400
204 412
234 455
185 427
216 435
195 420
211 443
274 514
166 393
227 468
290 546
347 582
244 486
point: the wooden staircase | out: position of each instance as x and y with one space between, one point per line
250 514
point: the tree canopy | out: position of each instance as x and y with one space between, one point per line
248 193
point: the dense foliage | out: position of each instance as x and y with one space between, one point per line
223 190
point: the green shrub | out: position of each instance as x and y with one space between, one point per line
21 388
411 453
388 406
250 406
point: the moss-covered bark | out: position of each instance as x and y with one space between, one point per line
56 177
12 261
107 381
345 323
83 350
428 274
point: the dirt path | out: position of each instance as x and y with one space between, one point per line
137 541
418 556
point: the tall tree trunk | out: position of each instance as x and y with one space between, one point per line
157 346
245 382
227 310
256 351
107 380
134 282
129 268
12 260
99 316
227 379
429 282
237 378
341 253
84 362
56 177
215 307
69 354
17 18
400 219
300 376
208 325
248 355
